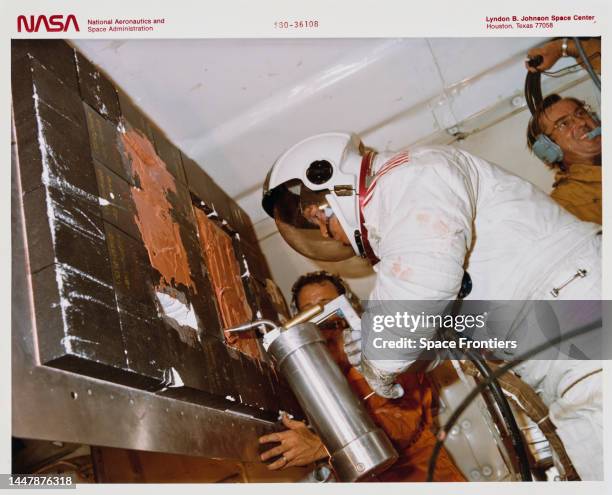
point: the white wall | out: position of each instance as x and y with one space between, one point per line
503 143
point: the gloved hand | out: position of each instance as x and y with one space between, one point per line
352 346
381 382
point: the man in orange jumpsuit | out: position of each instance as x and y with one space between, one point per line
407 421
568 124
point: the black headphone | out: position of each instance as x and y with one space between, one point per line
550 152
543 147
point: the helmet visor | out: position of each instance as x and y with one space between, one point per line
303 219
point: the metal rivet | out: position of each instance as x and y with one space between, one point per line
360 467
475 474
74 395
466 424
131 402
487 470
89 392
454 430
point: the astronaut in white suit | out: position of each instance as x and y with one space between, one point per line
426 216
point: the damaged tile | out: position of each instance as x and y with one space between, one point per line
218 367
260 301
241 222
38 230
52 146
180 200
253 386
143 344
133 115
95 264
205 189
55 55
76 315
97 90
132 274
53 92
203 296
104 139
185 356
224 271
170 154
78 328
252 260
22 88
65 228
116 200
154 344
156 217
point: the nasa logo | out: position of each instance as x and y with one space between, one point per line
52 24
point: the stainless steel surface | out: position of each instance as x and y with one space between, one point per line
363 455
52 404
253 324
322 473
299 318
356 445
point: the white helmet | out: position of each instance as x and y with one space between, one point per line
320 173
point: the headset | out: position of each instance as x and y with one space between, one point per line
550 152
543 147
547 150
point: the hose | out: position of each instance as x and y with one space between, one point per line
500 398
443 433
587 64
533 91
533 85
502 402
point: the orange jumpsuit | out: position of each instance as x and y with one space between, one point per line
579 191
408 423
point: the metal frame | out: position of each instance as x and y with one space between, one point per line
52 404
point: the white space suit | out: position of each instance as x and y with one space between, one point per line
444 211
430 214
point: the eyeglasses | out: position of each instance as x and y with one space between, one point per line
564 123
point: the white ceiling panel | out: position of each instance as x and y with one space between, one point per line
235 104
464 58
